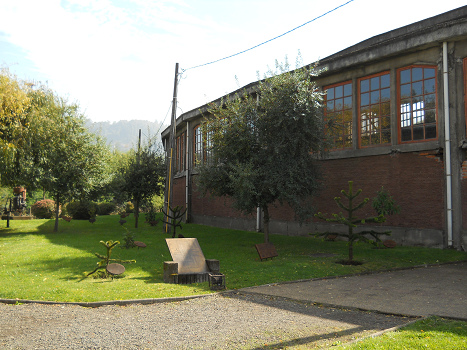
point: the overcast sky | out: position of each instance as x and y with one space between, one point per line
117 57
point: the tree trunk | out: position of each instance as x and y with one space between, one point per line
57 212
136 213
266 223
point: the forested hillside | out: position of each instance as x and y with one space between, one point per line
123 135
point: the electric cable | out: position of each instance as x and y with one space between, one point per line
267 41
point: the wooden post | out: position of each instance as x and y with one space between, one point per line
170 170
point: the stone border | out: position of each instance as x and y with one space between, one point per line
110 302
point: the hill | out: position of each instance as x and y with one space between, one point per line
123 135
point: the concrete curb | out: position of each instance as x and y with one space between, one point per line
329 305
106 303
359 274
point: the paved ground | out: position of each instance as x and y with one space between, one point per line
307 314
436 290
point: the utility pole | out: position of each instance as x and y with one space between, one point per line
170 171
139 146
137 203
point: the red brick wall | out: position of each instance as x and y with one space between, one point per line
208 206
179 197
213 206
415 180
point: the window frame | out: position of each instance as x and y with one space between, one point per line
180 153
201 142
370 104
423 109
341 123
197 145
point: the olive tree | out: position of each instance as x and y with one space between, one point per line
265 145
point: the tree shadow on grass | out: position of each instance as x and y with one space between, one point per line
68 268
85 236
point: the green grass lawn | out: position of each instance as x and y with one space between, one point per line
433 333
37 264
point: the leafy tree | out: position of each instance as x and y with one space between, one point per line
352 221
264 145
116 165
14 102
48 146
61 156
143 176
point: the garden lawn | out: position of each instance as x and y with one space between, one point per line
38 264
433 333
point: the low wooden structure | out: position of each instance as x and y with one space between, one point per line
266 250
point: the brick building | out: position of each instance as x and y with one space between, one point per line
399 103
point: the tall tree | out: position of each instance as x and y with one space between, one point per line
14 102
45 144
73 164
143 175
264 145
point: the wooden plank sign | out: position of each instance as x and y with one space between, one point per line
266 250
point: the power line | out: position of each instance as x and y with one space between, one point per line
265 42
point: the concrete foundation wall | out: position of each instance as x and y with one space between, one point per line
402 236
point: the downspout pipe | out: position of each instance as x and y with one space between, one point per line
187 174
447 145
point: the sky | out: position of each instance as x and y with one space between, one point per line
117 58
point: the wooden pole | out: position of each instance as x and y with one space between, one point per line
137 203
170 171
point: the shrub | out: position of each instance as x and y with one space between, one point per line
129 207
81 210
106 208
44 209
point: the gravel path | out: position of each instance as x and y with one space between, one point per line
220 321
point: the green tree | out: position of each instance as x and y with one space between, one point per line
74 162
47 145
14 103
264 145
117 164
142 177
352 221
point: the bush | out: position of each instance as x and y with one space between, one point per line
129 207
106 208
44 209
81 210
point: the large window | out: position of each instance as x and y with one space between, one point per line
180 153
198 145
338 115
417 103
374 110
202 146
